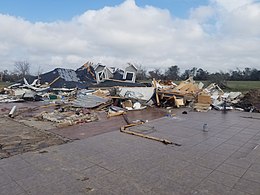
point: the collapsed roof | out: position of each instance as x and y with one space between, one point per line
87 75
68 78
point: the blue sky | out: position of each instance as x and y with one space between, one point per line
52 10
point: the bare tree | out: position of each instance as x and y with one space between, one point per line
39 71
141 73
172 73
1 76
22 68
155 73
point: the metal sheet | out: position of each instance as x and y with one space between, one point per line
89 101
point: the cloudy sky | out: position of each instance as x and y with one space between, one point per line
211 34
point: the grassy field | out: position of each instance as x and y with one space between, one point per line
3 84
243 85
239 85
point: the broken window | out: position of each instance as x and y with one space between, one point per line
129 76
101 75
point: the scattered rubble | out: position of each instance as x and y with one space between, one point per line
250 102
116 100
192 94
67 117
68 97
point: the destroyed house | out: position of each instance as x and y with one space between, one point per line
103 73
130 73
83 77
66 78
86 73
118 74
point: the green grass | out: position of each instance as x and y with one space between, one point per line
243 85
3 84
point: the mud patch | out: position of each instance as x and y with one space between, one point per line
17 138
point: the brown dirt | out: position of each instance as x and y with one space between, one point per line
251 100
17 138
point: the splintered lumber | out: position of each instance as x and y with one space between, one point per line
201 107
179 102
54 81
124 129
156 93
112 114
170 93
204 99
164 141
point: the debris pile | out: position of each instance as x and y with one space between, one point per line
177 96
250 102
67 116
192 94
75 104
63 98
64 108
71 104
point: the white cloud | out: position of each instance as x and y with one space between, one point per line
219 36
243 22
231 5
202 13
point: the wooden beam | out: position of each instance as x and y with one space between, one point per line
156 92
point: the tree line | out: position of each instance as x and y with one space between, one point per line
173 73
22 69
